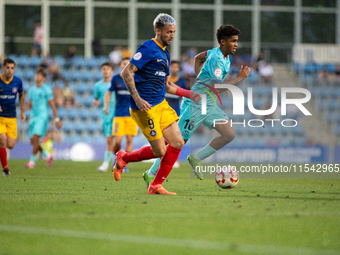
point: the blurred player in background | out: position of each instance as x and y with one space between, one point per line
147 78
211 68
39 97
100 90
10 86
123 124
174 100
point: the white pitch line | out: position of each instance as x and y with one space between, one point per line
181 243
108 215
168 215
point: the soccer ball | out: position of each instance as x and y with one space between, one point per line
227 177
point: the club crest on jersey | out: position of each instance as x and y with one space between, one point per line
15 90
153 133
218 72
137 56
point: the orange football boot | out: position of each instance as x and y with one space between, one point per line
119 166
158 189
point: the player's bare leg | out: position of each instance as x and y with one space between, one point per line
35 150
129 139
227 134
108 154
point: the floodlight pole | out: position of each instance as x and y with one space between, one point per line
297 22
218 21
89 24
45 24
176 45
338 22
132 26
256 28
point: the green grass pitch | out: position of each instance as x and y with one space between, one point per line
74 209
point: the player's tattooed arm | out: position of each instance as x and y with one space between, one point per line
127 75
199 61
170 87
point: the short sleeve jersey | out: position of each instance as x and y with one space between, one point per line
8 96
122 96
100 90
215 69
152 61
40 97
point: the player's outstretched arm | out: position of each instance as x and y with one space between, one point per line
243 73
199 61
55 113
172 88
21 105
107 101
127 75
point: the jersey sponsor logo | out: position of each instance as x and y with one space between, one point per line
160 73
218 72
153 133
159 60
137 56
7 96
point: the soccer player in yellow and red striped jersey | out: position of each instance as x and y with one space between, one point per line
147 78
10 86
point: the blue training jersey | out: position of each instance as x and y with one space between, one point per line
174 100
8 96
122 96
40 97
152 61
215 69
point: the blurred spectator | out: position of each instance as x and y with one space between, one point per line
115 56
192 52
189 69
266 72
71 52
58 97
38 35
69 55
68 93
323 76
44 64
54 70
337 72
97 48
68 105
126 53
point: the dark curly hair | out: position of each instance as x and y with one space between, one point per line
8 61
226 31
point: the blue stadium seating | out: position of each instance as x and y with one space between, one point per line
29 74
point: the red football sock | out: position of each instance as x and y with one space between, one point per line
139 155
3 158
167 163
